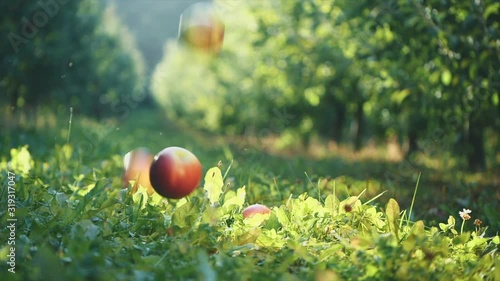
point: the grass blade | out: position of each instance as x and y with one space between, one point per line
413 199
375 198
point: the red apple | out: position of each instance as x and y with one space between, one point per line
255 209
136 165
175 172
201 28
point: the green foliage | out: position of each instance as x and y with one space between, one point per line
21 161
297 69
213 184
424 72
392 213
73 217
73 53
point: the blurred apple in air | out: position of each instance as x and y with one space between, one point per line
136 164
201 28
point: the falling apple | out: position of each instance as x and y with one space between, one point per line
136 164
201 28
175 172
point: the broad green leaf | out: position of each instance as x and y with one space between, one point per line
211 215
270 238
331 203
496 240
308 207
213 184
181 202
272 222
282 216
155 199
330 252
375 217
141 196
84 229
234 199
451 221
392 212
21 161
476 242
461 239
418 228
443 226
185 215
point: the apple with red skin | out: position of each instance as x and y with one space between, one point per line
136 164
175 172
255 209
201 28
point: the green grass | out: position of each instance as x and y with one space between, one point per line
76 222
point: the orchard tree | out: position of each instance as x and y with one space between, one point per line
64 54
425 72
442 60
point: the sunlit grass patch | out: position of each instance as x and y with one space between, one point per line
329 217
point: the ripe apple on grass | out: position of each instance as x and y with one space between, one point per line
175 172
254 216
255 209
136 164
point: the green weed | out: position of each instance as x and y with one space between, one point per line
76 221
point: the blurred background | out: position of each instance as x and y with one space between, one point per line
398 86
